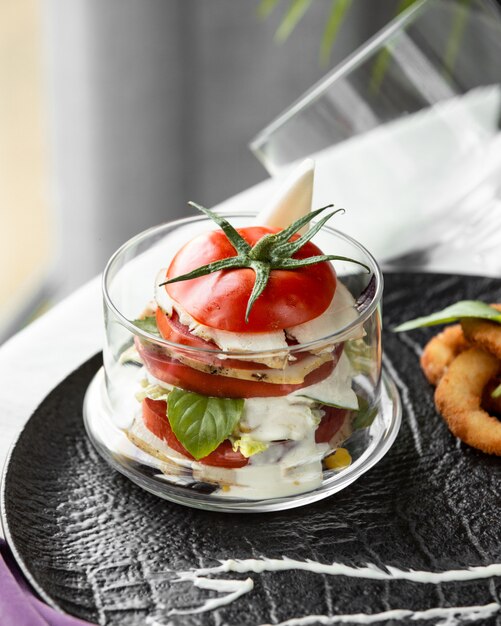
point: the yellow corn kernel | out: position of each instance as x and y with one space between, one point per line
339 459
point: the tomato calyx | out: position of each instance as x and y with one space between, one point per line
274 251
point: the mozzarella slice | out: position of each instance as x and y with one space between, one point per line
334 390
293 199
340 312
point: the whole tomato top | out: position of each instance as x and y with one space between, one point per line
219 299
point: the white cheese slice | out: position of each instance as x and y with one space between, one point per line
293 199
340 312
335 390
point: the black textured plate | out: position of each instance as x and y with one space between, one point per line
97 546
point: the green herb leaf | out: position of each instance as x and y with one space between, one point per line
453 313
497 392
148 324
366 414
201 423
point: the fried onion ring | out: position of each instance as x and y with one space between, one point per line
458 397
440 351
482 333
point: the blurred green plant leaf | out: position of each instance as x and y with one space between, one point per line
382 60
457 31
338 12
295 12
266 7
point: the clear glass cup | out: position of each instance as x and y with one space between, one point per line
296 468
405 135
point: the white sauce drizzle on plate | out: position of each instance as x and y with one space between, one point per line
370 571
449 616
234 588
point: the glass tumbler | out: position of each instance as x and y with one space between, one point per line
293 444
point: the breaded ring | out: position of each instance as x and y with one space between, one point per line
458 397
440 351
484 334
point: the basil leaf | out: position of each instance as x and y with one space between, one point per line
497 392
148 324
365 415
202 423
453 313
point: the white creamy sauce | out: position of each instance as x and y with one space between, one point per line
335 389
272 419
233 588
449 616
284 469
340 312
339 569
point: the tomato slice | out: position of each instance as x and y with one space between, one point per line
220 299
156 421
174 373
330 423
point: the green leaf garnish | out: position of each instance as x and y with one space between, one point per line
366 414
271 252
497 392
453 313
201 423
148 324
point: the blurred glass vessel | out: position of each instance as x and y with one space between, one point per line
405 134
297 466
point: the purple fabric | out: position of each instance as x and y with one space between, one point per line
18 604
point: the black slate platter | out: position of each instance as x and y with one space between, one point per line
99 547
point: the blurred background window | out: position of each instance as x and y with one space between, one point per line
115 113
26 220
